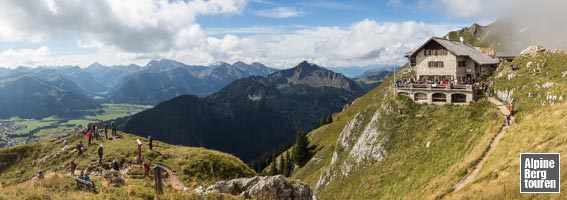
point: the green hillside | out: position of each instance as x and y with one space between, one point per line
376 148
193 167
540 126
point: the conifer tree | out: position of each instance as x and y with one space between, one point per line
300 149
288 165
273 168
281 163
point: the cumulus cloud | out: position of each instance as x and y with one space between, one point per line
134 31
131 25
279 12
364 43
25 57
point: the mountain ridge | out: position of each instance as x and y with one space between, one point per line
258 110
164 79
28 96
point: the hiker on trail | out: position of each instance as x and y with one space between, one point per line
96 132
89 137
511 108
146 169
89 127
488 91
151 142
116 164
80 148
73 166
508 118
100 153
106 131
113 129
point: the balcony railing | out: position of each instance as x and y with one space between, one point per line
435 86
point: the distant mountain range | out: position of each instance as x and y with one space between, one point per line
358 71
29 96
164 79
372 78
251 115
94 79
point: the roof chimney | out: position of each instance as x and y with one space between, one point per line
462 40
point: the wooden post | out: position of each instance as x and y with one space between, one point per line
158 180
139 151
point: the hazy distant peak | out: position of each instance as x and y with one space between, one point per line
96 65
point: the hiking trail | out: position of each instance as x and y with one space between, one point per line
173 180
493 145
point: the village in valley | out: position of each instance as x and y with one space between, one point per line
15 131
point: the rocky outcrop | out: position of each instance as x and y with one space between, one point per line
113 177
262 187
532 50
359 145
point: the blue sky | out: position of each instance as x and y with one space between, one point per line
277 33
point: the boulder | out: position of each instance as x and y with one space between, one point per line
532 50
113 177
262 187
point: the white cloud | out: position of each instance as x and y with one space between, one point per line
364 43
131 25
25 57
279 12
134 31
245 30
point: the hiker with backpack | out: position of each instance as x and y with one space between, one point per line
511 108
89 137
96 134
100 153
80 148
72 166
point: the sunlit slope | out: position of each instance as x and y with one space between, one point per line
539 92
192 166
377 147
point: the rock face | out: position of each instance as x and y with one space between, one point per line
262 187
359 145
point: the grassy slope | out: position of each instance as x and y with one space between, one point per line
458 135
538 129
195 166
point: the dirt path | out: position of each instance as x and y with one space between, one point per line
173 179
472 175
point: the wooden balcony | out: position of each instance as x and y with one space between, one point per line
429 87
